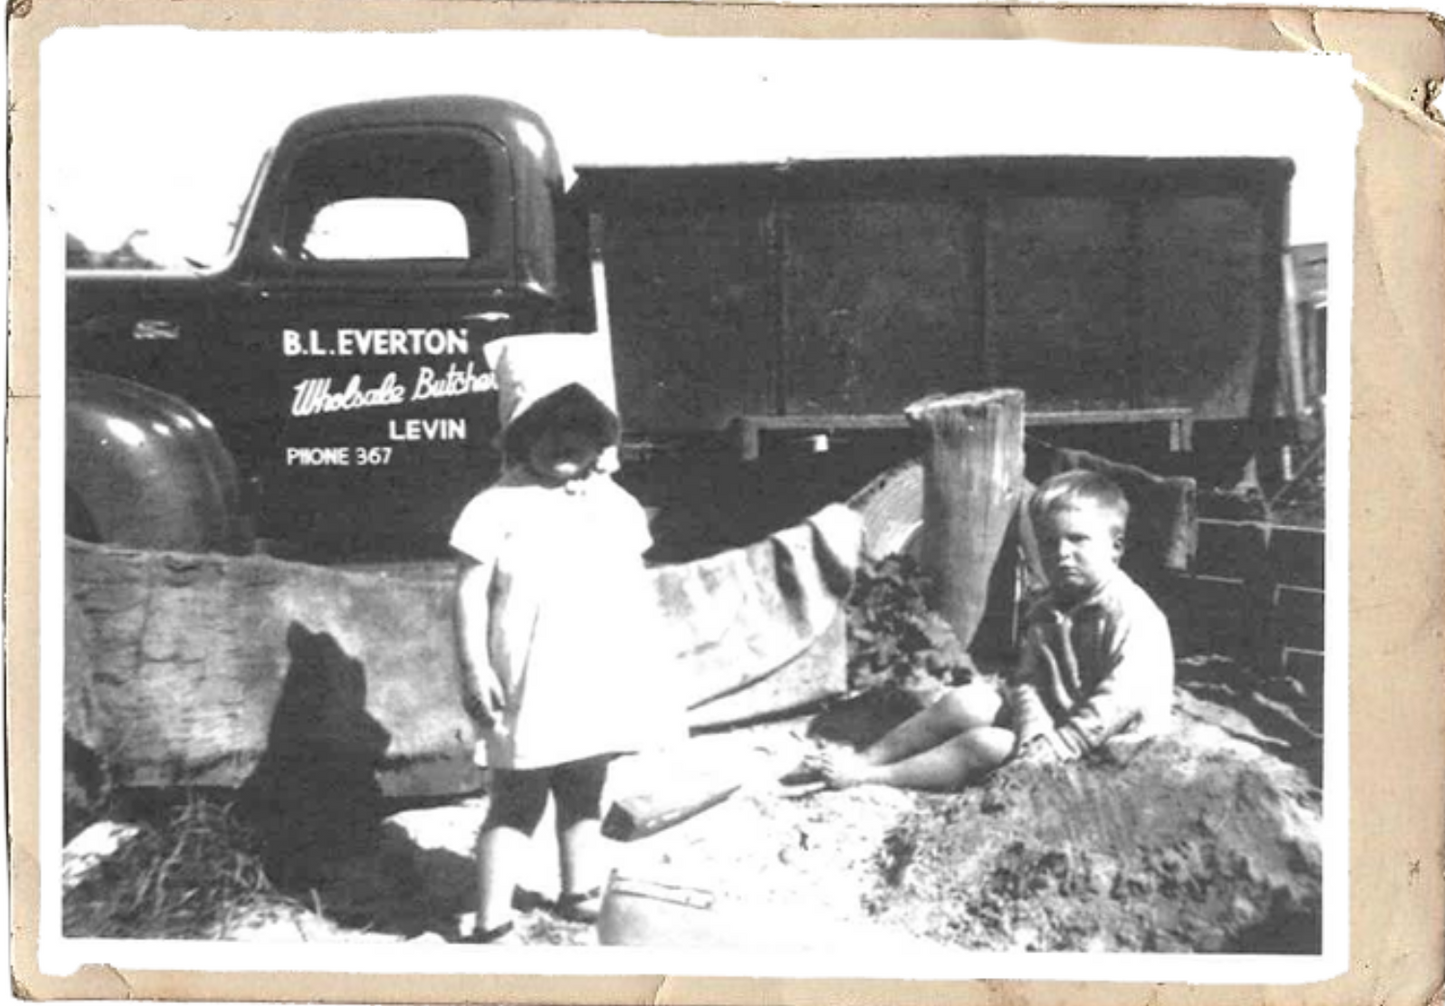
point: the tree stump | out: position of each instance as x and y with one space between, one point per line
973 462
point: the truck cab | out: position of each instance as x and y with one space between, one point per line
339 350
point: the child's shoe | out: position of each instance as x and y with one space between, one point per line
581 906
505 935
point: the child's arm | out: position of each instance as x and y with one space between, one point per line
1142 662
482 692
1031 717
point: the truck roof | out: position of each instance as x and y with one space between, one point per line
510 121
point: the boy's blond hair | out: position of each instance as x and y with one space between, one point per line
1069 489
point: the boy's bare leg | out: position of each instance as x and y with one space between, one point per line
942 768
956 711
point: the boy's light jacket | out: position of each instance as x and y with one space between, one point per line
1100 669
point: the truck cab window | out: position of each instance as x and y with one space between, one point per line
369 230
430 198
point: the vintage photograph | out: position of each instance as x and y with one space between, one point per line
834 504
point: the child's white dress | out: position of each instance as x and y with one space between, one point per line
573 629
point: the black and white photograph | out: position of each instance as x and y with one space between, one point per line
580 502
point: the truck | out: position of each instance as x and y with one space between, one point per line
323 394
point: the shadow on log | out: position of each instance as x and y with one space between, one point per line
314 797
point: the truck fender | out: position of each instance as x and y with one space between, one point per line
144 469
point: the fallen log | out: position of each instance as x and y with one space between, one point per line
194 669
642 814
657 790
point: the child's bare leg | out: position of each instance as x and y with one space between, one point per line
942 768
578 789
957 710
517 802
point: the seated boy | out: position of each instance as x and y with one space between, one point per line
1097 663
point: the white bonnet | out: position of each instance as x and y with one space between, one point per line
531 367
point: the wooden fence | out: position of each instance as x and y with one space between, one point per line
1256 592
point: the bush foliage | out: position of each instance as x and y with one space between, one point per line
895 639
190 875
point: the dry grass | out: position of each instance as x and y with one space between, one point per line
193 873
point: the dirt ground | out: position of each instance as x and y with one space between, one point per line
1207 841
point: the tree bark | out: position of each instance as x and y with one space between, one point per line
973 460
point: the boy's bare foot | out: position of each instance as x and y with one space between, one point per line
801 754
840 768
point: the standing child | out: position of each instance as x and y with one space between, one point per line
1097 663
553 617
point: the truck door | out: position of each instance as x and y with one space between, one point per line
359 390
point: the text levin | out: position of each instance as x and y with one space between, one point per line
426 429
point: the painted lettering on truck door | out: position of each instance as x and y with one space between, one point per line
389 269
